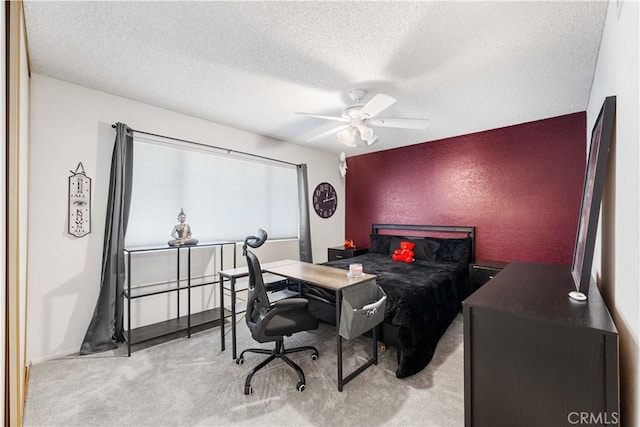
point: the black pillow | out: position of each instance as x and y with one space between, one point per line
425 249
453 250
379 244
394 243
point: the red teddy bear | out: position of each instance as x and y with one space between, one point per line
405 253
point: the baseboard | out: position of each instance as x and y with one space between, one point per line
65 353
27 373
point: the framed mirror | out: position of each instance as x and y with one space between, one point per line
592 198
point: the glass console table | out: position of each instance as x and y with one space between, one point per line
189 322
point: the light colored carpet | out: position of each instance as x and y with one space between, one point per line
190 382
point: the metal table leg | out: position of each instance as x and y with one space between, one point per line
178 278
339 337
233 317
221 312
129 304
189 292
374 359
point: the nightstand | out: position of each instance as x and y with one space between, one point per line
481 271
339 252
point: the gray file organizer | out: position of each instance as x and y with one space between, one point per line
362 309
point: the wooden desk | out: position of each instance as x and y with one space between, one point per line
334 279
232 275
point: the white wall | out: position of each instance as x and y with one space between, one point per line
68 124
617 261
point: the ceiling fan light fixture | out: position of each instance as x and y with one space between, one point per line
371 140
348 136
367 134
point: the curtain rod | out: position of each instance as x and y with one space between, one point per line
228 150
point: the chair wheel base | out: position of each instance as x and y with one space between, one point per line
277 353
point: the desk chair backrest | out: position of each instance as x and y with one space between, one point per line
258 302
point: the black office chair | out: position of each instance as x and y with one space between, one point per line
272 322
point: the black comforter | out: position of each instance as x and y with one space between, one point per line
423 298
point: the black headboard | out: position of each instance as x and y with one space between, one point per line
444 229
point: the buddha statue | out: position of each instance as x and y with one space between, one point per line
182 232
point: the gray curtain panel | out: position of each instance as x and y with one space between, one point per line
305 228
106 327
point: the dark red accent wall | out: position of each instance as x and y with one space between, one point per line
520 186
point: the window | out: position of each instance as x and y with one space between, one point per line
225 197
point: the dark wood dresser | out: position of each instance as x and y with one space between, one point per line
534 357
481 271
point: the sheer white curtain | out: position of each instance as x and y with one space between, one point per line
225 197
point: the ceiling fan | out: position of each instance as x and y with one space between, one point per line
360 118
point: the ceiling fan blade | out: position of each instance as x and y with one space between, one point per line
400 123
329 132
377 104
339 119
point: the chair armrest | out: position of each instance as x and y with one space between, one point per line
290 303
281 306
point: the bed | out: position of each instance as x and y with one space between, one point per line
423 297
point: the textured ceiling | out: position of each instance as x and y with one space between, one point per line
466 66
